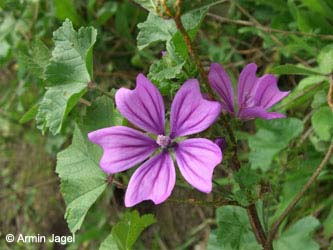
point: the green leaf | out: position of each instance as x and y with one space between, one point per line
30 114
66 9
71 61
36 60
322 123
246 177
290 69
155 28
272 136
234 229
328 225
126 232
109 243
325 59
57 102
82 180
69 72
299 236
101 114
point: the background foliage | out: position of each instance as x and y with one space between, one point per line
62 60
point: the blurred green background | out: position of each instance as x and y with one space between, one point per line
270 33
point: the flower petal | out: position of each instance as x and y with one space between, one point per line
221 83
123 147
268 92
196 159
247 86
142 106
154 180
251 113
190 112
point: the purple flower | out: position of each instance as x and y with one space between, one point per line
124 147
255 95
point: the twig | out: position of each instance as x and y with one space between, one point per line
92 85
267 29
85 102
299 196
190 46
330 93
215 203
251 210
256 224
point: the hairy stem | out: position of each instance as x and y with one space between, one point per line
189 44
251 210
330 92
299 196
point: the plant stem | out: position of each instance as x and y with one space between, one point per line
251 210
92 85
190 46
256 224
330 92
267 29
299 196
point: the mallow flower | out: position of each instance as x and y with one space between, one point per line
124 147
254 95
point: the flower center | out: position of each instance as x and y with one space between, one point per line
163 140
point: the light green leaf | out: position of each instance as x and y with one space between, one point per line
57 102
322 123
30 114
126 232
299 236
82 181
36 60
325 59
155 29
272 136
328 225
66 9
109 244
290 69
234 229
69 72
71 61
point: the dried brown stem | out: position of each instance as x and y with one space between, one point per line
330 93
298 197
267 29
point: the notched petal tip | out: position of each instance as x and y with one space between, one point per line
268 92
190 112
142 106
197 159
154 180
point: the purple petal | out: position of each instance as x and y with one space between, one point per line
190 112
154 180
123 147
247 86
221 83
142 106
254 112
268 92
196 159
